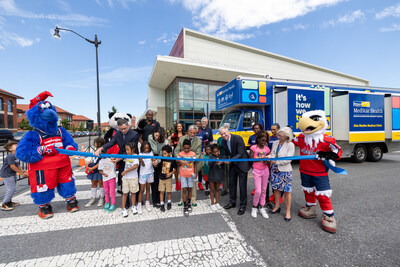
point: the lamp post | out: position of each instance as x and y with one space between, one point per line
96 43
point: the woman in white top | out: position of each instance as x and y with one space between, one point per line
281 170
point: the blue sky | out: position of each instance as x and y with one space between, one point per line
358 37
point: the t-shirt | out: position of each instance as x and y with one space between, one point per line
148 128
129 163
206 168
167 167
187 170
108 168
148 164
260 154
205 135
272 139
6 170
252 140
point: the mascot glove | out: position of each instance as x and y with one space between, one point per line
50 150
329 155
70 148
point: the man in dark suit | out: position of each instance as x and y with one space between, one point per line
123 136
234 148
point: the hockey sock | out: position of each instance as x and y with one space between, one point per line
94 192
325 204
311 199
101 192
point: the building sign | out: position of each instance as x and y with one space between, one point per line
366 112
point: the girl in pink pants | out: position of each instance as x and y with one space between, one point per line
107 169
260 174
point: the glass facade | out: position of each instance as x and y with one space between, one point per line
185 100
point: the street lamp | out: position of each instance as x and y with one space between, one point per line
96 44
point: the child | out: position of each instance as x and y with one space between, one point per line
205 170
260 174
188 175
94 175
9 174
146 175
130 179
107 170
216 175
168 168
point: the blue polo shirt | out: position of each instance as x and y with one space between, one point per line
272 139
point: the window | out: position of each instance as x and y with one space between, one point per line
249 119
1 104
185 90
9 106
10 120
211 91
19 115
2 121
200 91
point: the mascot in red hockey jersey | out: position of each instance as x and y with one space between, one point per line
314 173
47 168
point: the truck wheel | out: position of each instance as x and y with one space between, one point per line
374 153
360 153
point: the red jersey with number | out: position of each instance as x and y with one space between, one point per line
50 162
316 167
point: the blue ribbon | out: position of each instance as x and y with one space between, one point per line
123 156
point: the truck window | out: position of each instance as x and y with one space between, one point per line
231 118
249 119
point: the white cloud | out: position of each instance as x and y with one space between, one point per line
167 38
9 8
391 11
7 38
393 28
295 27
227 15
350 18
142 42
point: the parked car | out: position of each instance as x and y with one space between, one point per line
18 135
5 136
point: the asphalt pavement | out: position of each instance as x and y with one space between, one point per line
365 203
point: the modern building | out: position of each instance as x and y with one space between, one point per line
8 110
182 82
62 113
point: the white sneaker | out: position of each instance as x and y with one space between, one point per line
148 206
264 213
101 202
213 208
218 206
91 202
139 208
134 210
254 212
124 213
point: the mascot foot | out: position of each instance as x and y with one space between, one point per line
329 224
308 212
73 205
46 212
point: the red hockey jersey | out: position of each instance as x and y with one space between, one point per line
316 167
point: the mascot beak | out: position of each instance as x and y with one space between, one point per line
49 115
309 126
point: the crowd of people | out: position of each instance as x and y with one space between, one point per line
140 179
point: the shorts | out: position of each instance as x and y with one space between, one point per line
321 183
42 180
165 185
146 178
186 182
130 185
95 176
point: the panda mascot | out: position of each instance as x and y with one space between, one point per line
314 173
113 117
47 168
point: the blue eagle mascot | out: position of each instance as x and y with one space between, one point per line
47 168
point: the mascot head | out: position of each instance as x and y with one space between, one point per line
313 125
114 116
42 114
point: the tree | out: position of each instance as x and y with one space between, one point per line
81 127
113 110
24 125
73 128
65 123
96 129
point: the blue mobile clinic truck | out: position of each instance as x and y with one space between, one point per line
364 120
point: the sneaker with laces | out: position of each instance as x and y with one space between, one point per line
106 206
189 207
139 208
46 212
124 213
213 208
5 207
101 202
194 205
263 213
72 205
148 206
91 202
185 210
112 208
13 204
218 206
308 212
254 212
169 205
180 204
162 207
134 210
200 186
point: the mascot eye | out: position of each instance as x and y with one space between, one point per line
47 105
43 106
315 117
